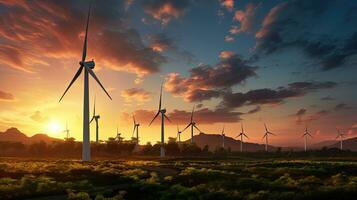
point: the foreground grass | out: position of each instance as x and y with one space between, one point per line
179 179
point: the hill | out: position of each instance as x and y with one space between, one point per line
350 144
14 135
215 141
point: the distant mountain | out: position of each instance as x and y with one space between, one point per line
326 143
14 135
215 140
350 144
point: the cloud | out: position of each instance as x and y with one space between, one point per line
273 96
228 4
289 25
136 94
254 110
160 42
58 30
300 112
38 117
342 106
312 117
245 18
327 98
228 38
201 116
226 54
6 96
206 82
166 10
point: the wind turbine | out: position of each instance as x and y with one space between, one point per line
223 137
67 131
305 135
87 67
340 135
192 124
179 134
163 116
136 127
266 135
96 118
241 134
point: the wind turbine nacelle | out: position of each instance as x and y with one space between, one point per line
90 64
98 116
193 123
163 110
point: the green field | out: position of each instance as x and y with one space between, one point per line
179 179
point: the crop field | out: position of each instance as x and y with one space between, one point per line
179 179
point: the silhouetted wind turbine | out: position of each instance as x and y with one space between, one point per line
136 128
266 135
88 67
241 134
178 134
340 135
305 135
192 124
67 131
163 116
223 137
96 118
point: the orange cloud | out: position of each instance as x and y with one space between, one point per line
245 18
6 96
57 32
136 94
228 4
226 54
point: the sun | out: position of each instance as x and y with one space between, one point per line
53 127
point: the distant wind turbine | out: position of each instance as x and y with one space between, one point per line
241 134
223 137
96 118
340 135
178 134
266 135
88 67
163 116
305 135
67 131
136 128
192 124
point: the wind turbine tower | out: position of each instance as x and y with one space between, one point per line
96 119
87 67
241 135
340 135
136 128
163 116
67 131
192 124
305 135
178 134
223 137
266 135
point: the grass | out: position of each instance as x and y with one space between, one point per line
179 179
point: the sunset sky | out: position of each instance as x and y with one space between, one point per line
285 63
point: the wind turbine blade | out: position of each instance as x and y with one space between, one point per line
245 136
95 77
167 118
197 128
242 128
193 110
73 80
92 119
134 130
223 130
157 114
265 135
84 54
186 127
134 120
94 107
178 130
160 98
266 129
272 133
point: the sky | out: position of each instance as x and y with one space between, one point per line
289 64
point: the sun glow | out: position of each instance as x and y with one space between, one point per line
54 127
